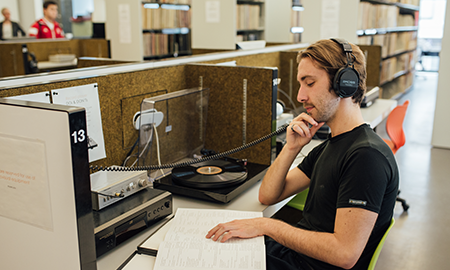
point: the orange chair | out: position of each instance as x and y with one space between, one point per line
394 129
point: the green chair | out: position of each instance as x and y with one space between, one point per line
298 202
377 252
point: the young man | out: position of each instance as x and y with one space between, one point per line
47 27
8 28
352 176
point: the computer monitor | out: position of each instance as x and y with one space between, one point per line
46 216
98 30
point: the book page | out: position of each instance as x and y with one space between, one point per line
186 247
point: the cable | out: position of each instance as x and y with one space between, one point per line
129 153
192 161
157 148
143 150
289 98
115 195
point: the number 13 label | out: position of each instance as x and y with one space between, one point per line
78 136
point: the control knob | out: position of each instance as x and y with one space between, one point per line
142 183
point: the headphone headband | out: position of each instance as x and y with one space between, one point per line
345 45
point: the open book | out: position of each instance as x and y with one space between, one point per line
186 247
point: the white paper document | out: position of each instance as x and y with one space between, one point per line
330 18
86 96
186 247
124 23
43 97
212 11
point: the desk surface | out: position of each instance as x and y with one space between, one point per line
247 201
43 65
378 111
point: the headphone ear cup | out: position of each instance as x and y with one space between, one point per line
346 82
336 81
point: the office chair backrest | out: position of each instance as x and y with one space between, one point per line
298 202
377 252
394 125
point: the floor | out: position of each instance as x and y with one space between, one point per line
420 238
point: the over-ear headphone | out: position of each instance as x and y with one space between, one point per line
346 80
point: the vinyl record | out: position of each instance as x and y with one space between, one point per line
210 174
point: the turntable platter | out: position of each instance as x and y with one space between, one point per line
210 174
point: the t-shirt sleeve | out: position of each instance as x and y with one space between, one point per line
307 165
363 181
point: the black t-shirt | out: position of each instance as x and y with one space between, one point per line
353 169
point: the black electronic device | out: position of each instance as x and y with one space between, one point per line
29 65
346 80
115 225
211 187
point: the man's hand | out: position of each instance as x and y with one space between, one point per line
242 228
299 133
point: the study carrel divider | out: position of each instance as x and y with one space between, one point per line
121 94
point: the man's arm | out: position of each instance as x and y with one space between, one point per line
280 183
21 30
342 248
34 29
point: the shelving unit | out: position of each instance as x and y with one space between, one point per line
296 22
393 27
250 16
148 30
166 29
220 24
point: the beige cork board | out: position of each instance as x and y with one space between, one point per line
11 60
225 124
288 75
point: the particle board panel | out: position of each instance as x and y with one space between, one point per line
373 64
11 60
288 75
225 124
43 49
96 62
94 48
255 60
120 96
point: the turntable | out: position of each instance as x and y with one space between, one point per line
216 180
180 137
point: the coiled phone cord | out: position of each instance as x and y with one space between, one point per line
192 161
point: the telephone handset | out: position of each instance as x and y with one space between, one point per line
192 161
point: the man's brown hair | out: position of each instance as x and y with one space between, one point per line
48 3
330 56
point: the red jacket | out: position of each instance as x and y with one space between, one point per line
40 30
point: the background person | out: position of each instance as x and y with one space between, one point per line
47 27
8 28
